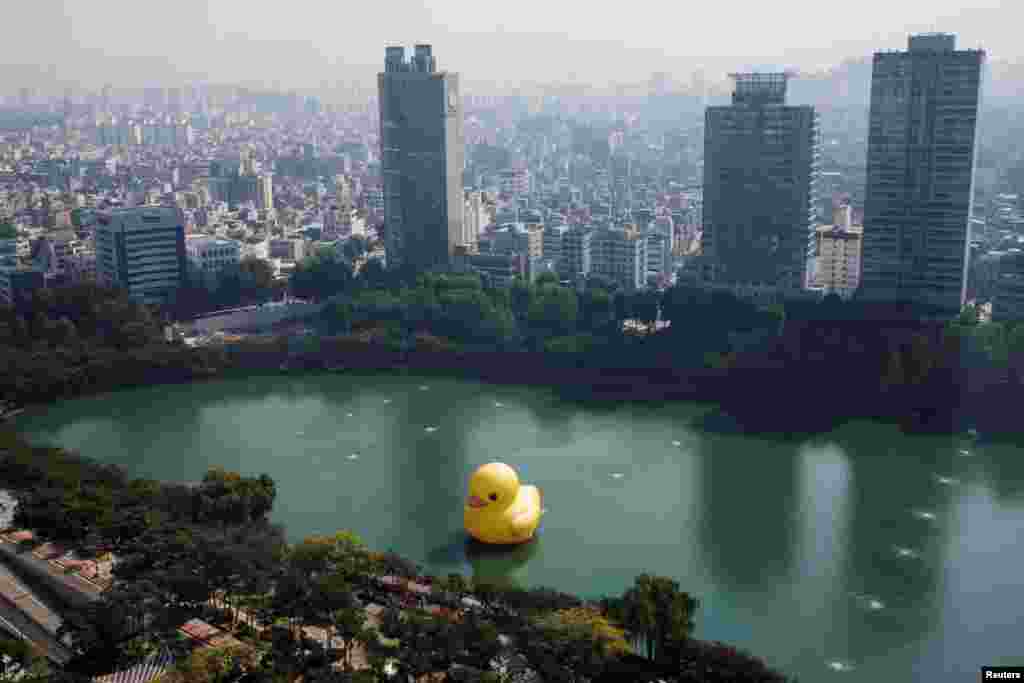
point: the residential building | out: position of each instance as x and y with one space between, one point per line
265 191
81 267
142 249
619 256
211 255
501 269
287 249
837 266
421 159
551 249
659 254
8 251
51 252
760 171
472 220
514 181
1009 298
576 252
920 172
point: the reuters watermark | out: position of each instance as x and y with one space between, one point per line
1002 673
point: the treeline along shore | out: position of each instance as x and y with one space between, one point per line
796 366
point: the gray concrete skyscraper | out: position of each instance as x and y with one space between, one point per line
920 172
760 177
421 159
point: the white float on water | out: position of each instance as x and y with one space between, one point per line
947 481
354 456
617 475
423 387
836 665
921 514
677 443
499 404
964 453
430 430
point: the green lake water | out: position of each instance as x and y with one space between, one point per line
860 555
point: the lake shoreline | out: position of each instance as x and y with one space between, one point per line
737 396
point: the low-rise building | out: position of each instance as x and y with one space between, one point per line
501 269
81 267
211 255
287 249
18 284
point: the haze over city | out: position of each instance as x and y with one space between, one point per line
303 43
461 341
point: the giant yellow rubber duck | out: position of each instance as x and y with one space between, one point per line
498 510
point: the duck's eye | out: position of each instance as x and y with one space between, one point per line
493 496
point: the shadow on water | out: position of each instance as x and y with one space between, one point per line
493 565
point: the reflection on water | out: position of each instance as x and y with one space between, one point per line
863 554
495 565
502 566
750 501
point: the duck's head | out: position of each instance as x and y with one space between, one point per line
492 487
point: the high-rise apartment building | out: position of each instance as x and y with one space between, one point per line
620 256
471 221
920 172
421 159
760 173
142 250
838 255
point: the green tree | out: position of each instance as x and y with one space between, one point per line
349 625
546 279
656 613
19 661
553 310
596 309
969 316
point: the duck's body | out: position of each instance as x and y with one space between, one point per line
499 510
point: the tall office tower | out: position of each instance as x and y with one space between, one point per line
760 177
142 250
421 159
920 172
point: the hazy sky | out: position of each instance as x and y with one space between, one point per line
301 43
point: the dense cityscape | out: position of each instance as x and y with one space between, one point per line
678 239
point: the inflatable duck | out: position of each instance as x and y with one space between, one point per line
498 510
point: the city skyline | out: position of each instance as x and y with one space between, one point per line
231 42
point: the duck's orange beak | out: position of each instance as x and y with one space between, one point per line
476 502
